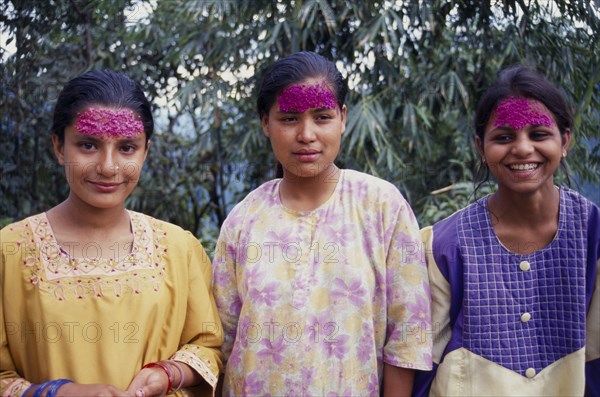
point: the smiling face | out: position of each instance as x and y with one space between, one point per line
103 152
522 145
305 126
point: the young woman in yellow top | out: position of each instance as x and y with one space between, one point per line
97 299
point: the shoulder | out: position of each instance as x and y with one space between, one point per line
446 230
14 231
372 189
584 209
162 229
576 206
577 199
442 241
265 191
263 196
357 178
575 196
18 239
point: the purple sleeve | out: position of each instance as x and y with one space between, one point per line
592 376
446 255
592 367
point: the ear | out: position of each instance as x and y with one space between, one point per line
343 114
59 149
264 121
479 147
566 140
147 149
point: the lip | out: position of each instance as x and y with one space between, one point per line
307 155
525 171
105 187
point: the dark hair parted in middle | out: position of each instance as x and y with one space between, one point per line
520 81
103 88
295 69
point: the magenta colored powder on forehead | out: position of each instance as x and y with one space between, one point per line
519 112
109 123
299 98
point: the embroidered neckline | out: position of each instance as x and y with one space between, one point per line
58 247
53 271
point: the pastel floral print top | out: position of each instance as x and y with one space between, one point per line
313 303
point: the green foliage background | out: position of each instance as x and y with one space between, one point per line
416 70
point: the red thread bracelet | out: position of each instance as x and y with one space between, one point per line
169 374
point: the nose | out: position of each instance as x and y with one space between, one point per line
107 164
522 146
306 132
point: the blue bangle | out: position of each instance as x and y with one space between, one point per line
41 388
55 385
29 388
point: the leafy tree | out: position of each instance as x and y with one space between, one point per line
416 69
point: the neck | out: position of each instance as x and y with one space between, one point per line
306 194
78 215
520 208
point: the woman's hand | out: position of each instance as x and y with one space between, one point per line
149 382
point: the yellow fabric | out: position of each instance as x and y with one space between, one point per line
463 373
440 299
94 320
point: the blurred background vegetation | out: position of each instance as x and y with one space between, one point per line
415 68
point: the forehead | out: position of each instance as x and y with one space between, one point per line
109 122
517 113
310 94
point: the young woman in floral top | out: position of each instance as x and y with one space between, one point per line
319 277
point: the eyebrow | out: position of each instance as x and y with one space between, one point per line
311 110
322 109
90 137
509 128
123 139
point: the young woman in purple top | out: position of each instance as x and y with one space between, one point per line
514 279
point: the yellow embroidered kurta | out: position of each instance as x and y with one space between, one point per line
95 320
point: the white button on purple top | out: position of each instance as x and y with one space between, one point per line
524 265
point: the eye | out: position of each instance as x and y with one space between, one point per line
128 148
503 138
88 146
538 135
288 119
324 117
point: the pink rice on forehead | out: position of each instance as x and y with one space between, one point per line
109 123
520 112
301 97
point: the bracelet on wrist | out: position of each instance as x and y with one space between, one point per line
41 387
181 373
31 386
167 372
51 385
53 388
